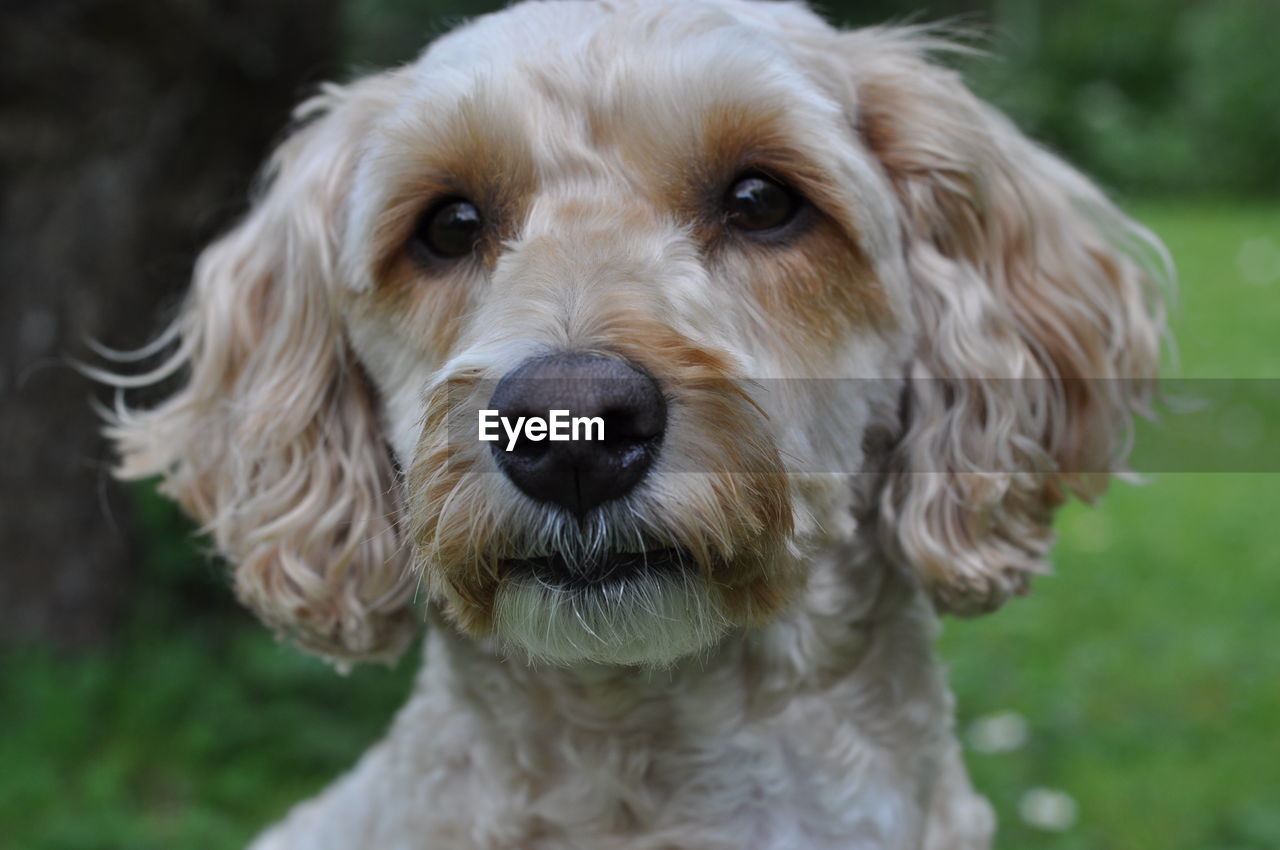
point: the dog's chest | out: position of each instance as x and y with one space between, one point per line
804 786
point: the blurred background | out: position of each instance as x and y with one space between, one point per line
1131 702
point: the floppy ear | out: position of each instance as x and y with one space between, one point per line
273 442
1040 322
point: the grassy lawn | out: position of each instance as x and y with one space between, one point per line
1148 667
1146 670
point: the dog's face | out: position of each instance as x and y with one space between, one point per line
640 221
696 222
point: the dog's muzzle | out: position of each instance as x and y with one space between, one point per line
579 475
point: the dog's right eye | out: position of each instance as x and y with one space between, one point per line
450 229
757 203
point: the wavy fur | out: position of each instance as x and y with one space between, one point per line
994 321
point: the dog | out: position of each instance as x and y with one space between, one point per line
850 339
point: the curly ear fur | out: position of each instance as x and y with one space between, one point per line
273 443
1040 323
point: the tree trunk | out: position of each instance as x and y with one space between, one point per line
129 131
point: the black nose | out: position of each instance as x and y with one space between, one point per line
579 474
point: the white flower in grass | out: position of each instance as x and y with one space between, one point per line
1048 809
1002 732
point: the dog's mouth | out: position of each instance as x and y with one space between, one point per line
600 571
611 607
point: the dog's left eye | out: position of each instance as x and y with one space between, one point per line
755 202
450 229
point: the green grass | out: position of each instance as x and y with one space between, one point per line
1147 667
191 732
176 740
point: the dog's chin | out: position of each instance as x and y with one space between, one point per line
646 608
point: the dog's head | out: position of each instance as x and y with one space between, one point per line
808 284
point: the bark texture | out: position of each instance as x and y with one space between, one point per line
129 133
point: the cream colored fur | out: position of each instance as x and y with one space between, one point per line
1003 316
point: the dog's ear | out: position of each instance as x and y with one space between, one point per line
1039 327
273 441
